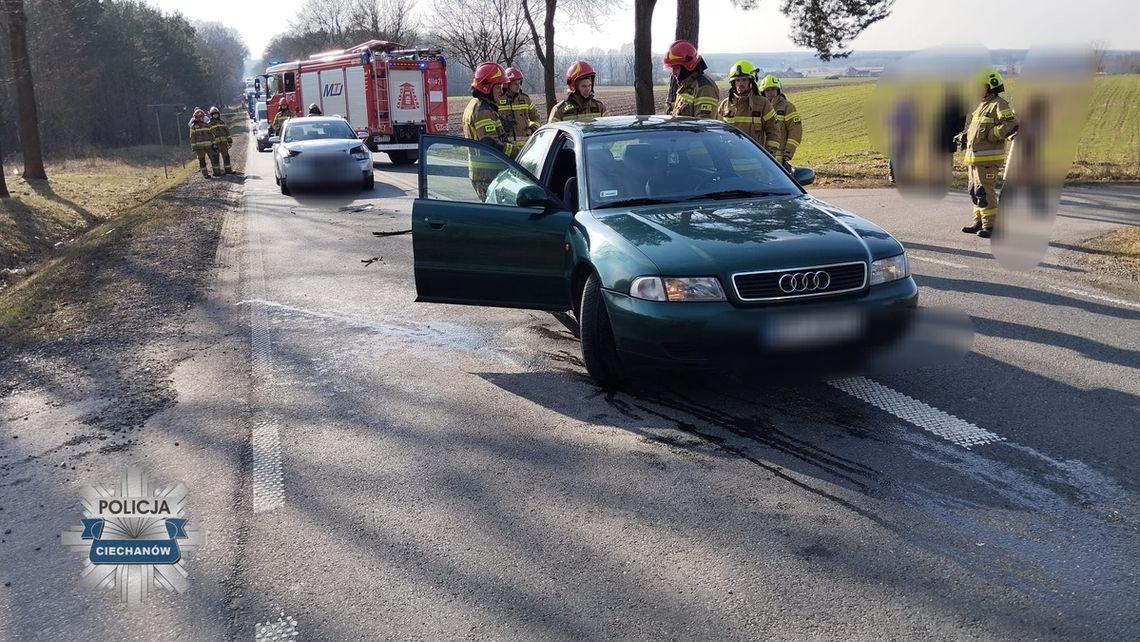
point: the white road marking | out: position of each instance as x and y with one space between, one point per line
909 409
268 482
927 259
1098 297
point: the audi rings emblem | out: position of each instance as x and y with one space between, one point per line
800 282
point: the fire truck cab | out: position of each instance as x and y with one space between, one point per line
390 95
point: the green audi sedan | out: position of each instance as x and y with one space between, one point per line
675 242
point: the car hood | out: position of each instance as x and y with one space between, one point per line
748 235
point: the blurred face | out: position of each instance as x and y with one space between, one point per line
496 92
676 70
585 87
771 93
515 86
741 85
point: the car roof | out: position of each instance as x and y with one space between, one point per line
619 124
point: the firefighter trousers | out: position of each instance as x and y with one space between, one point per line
983 193
204 153
481 180
222 149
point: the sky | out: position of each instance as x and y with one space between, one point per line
914 24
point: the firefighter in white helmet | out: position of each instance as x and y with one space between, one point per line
987 130
520 116
202 141
481 122
789 127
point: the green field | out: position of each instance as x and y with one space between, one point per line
836 141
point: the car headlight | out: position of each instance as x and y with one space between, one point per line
694 288
359 153
889 269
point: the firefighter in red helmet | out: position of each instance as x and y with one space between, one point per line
520 116
482 122
696 94
202 140
222 141
580 103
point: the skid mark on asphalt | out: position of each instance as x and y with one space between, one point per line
913 411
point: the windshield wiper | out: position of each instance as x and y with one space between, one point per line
631 202
735 193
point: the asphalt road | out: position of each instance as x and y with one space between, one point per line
416 471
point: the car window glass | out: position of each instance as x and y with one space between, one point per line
534 153
468 172
327 130
671 165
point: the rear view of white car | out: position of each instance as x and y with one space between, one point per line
319 151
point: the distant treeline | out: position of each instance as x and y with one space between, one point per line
98 68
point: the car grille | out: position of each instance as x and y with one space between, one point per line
765 286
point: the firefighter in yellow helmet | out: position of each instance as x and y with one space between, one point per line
482 122
284 113
580 102
696 94
987 130
202 141
520 116
222 142
789 127
745 108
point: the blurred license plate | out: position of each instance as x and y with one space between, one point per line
814 329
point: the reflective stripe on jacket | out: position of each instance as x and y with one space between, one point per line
481 122
520 118
789 127
201 135
279 120
221 130
696 96
574 107
987 129
751 113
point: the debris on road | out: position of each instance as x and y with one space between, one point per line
352 209
396 233
371 260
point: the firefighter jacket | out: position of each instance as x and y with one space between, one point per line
987 129
696 96
574 107
789 129
201 135
520 118
283 115
221 130
481 122
751 113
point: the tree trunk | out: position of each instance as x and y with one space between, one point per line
3 184
25 89
643 55
548 72
688 28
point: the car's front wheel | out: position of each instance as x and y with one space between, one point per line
285 187
370 181
599 350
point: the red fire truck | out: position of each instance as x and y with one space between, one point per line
390 95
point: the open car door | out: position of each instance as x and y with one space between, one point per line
487 232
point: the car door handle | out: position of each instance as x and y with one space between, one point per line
436 224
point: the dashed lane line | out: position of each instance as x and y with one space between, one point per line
927 259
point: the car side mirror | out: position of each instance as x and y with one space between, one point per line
803 175
534 196
274 140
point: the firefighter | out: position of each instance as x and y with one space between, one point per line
481 122
580 102
222 142
987 129
283 114
696 94
202 141
520 116
789 127
315 110
745 108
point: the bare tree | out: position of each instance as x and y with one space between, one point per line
642 55
331 17
1099 49
390 20
827 26
586 12
17 22
480 30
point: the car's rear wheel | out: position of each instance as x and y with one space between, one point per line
403 157
599 350
370 181
285 187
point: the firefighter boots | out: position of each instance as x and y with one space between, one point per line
976 228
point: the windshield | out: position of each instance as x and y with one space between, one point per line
322 129
677 165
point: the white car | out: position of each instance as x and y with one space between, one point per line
318 151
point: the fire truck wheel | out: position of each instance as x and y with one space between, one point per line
403 157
